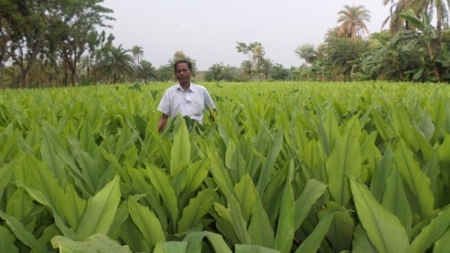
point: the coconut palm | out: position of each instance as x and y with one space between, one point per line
138 53
353 21
247 69
116 62
146 71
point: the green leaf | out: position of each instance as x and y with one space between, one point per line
97 243
246 194
383 228
441 245
171 247
285 228
310 194
195 241
147 222
267 168
162 184
74 206
395 199
312 243
260 229
197 208
100 210
7 241
432 232
343 162
340 233
180 154
381 174
415 179
22 233
240 248
361 242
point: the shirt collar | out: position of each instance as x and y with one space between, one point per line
191 87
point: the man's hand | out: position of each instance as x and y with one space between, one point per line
162 122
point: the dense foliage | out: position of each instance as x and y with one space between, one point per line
285 167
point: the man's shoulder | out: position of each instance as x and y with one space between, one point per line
198 86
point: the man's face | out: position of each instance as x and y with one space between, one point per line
183 73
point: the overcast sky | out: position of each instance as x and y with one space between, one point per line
207 30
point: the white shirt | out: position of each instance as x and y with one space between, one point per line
187 103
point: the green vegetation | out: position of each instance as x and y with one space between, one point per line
285 167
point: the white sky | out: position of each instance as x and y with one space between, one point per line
207 30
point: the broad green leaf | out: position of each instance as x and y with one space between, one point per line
395 199
313 190
19 204
7 241
266 170
23 234
129 233
260 229
441 245
171 247
361 242
328 130
381 174
100 210
383 228
6 171
340 232
343 162
219 173
384 128
195 174
162 184
39 197
415 179
240 248
181 150
238 220
42 179
432 232
312 243
140 185
74 206
195 241
196 209
50 157
97 243
285 227
246 194
147 222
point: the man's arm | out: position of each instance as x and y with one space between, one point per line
162 122
211 114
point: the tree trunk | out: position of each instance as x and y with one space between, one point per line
24 82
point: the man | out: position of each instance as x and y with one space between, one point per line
184 98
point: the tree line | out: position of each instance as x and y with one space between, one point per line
59 43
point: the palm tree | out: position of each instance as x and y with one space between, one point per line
138 53
116 62
430 7
266 68
180 55
146 71
353 21
247 69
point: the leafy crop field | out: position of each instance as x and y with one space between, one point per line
285 167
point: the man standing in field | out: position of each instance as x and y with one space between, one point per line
184 98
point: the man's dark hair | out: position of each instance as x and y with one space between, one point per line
182 61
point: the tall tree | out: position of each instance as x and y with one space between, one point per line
146 71
116 63
76 30
138 53
353 21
